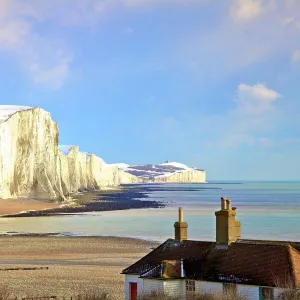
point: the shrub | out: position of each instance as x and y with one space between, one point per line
229 295
197 296
158 296
289 294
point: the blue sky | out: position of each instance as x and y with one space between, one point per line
212 84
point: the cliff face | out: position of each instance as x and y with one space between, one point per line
29 161
127 178
186 176
32 165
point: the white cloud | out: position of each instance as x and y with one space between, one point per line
128 30
20 31
246 10
226 47
139 3
255 100
38 55
287 21
53 76
169 123
266 142
254 114
296 56
272 143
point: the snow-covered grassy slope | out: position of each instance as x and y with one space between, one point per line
165 172
8 110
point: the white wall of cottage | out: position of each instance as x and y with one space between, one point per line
153 285
133 278
208 287
177 287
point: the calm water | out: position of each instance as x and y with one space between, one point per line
267 210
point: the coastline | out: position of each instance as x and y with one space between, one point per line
110 199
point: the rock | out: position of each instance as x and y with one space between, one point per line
32 164
127 178
29 155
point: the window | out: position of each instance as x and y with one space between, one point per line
230 288
266 293
190 286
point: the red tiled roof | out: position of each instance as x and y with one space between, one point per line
295 245
264 263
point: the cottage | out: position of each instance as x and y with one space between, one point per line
259 269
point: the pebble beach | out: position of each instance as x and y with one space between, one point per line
75 264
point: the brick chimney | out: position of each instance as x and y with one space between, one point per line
228 229
180 227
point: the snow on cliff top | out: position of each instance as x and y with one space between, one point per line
7 110
121 166
176 165
153 171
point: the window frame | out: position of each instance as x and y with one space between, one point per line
266 297
190 286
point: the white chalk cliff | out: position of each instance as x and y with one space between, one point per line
32 164
167 172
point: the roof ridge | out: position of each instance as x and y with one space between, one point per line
291 262
150 253
272 244
261 244
293 249
244 241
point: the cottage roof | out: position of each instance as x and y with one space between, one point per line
169 250
265 263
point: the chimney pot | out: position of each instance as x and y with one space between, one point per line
228 202
228 229
223 203
180 214
180 227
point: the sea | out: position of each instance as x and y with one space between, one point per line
266 210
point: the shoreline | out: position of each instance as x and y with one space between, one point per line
123 197
110 199
60 235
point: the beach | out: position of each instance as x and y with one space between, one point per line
75 264
14 206
131 197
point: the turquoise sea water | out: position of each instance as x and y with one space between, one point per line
267 210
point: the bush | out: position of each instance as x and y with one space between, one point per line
158 296
91 295
197 296
229 295
290 294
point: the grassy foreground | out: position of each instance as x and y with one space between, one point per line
7 294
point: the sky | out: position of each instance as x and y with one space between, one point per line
212 84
